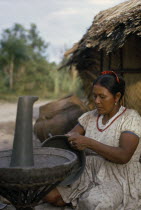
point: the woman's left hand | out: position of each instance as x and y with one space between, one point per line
77 141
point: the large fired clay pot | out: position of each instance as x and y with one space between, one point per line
58 117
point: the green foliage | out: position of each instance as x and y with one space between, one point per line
35 41
25 70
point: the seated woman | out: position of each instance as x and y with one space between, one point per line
112 133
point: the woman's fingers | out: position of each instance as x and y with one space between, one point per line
72 144
67 134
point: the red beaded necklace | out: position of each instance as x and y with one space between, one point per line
101 130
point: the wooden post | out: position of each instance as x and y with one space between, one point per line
110 61
101 60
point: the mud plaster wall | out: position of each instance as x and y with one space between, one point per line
132 60
128 58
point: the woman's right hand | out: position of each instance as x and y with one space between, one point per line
76 140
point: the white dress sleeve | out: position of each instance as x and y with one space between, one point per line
84 119
132 123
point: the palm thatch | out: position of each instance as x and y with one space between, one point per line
111 28
112 42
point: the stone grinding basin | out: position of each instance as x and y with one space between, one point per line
50 165
27 174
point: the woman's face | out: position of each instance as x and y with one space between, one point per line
104 100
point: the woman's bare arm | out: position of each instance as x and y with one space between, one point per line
77 129
122 154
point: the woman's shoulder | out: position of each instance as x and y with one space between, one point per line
91 113
131 121
87 117
132 113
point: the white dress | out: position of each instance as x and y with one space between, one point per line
105 185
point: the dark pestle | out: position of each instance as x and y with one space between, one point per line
22 154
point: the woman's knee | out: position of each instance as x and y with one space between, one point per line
93 201
90 204
54 198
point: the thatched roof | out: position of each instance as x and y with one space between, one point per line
111 28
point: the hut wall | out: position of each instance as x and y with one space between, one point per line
105 62
132 65
127 61
132 53
127 58
111 61
133 91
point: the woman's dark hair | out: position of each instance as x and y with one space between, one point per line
110 82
